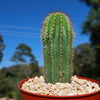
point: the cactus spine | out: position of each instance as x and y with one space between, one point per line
57 37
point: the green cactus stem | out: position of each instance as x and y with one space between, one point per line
57 38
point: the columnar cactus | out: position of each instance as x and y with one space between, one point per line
57 37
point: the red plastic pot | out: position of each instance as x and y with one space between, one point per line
32 96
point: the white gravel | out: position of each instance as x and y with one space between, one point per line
76 87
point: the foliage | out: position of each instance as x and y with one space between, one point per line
18 96
33 70
5 83
22 52
57 37
92 23
92 27
9 78
2 46
22 55
84 61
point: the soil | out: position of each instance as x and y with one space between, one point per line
4 98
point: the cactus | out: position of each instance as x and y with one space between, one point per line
57 37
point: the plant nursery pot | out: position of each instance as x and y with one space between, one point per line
33 96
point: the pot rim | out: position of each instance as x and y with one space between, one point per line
51 96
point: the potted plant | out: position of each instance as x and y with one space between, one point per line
57 38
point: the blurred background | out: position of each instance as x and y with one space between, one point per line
21 45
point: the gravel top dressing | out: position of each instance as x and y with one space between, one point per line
75 87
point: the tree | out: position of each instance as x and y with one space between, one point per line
2 46
84 60
92 24
23 54
5 83
33 70
92 27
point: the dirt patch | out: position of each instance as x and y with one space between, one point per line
3 98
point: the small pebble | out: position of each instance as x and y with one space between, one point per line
76 87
